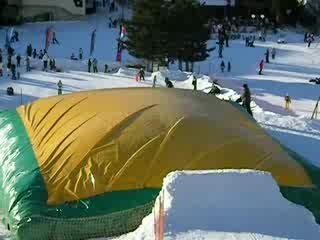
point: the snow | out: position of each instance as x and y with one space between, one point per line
232 194
230 204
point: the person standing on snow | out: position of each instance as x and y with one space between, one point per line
60 85
18 58
13 71
267 54
154 81
246 99
89 65
34 53
80 53
273 53
1 69
45 60
95 65
28 68
141 74
287 100
261 65
310 40
229 66
195 82
222 66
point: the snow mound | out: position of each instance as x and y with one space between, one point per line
228 204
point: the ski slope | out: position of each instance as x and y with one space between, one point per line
289 73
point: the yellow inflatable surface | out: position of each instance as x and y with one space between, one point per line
90 143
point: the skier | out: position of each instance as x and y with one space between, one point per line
29 50
287 100
34 53
194 82
45 60
52 64
246 99
229 66
305 37
89 65
273 53
18 60
28 68
309 40
80 53
106 68
54 38
261 65
154 81
141 74
222 66
15 37
40 54
226 36
59 84
95 65
9 63
267 54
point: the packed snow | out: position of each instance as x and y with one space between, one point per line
238 199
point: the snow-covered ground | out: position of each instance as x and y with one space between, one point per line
289 73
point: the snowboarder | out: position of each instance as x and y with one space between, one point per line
261 65
222 66
89 65
34 53
154 81
54 38
194 82
95 65
267 54
18 58
45 60
287 100
229 66
60 85
273 53
246 99
141 74
80 53
28 68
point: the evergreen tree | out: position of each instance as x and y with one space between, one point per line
146 31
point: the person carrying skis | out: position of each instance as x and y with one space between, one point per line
267 54
287 100
89 65
246 99
261 65
18 58
141 74
194 82
273 53
80 53
222 66
95 65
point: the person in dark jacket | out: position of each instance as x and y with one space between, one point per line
89 64
34 53
229 66
141 74
222 66
246 99
267 56
194 82
261 65
18 58
168 83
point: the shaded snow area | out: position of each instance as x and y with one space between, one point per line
224 205
217 205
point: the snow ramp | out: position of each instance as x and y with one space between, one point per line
91 164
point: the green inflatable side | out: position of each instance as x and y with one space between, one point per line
23 197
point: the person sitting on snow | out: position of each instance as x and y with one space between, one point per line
73 57
169 84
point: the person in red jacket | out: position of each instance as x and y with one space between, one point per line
261 66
